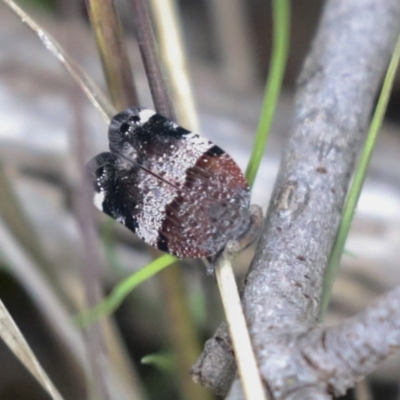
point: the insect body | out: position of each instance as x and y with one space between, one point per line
174 188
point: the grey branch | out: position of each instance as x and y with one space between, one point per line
346 353
336 90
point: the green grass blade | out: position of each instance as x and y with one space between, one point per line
115 298
358 181
164 362
281 23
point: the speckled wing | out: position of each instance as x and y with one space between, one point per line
175 189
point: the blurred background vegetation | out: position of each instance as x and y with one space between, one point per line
228 47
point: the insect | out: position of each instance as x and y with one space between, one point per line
175 189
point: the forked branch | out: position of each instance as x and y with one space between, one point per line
336 90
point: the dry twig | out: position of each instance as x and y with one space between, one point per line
336 90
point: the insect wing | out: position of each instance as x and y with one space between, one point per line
174 188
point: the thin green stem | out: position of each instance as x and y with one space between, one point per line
358 181
281 24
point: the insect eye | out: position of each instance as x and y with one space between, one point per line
124 127
135 119
99 173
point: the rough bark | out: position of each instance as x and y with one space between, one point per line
334 100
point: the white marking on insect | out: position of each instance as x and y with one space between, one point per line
98 199
145 115
121 219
